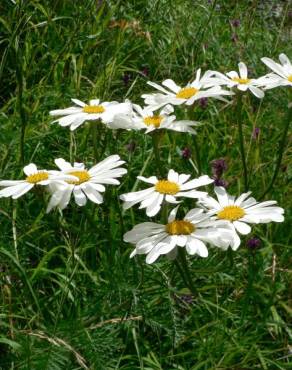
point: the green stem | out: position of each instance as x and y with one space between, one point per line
241 140
185 268
280 151
155 141
19 77
197 151
94 139
181 272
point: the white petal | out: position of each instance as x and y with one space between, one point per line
30 169
242 227
79 196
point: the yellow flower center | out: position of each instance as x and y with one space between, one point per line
153 121
180 228
37 177
289 78
167 187
231 213
242 81
91 109
82 175
186 93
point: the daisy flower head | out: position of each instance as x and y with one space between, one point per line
175 186
240 80
34 177
88 184
75 116
192 232
240 212
201 87
146 119
282 75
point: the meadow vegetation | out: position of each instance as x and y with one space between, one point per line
71 298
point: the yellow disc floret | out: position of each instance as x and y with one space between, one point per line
231 213
153 121
187 92
178 227
82 175
93 109
242 81
289 78
167 187
37 177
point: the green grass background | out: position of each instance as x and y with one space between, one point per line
70 296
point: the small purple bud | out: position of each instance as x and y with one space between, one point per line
218 167
186 153
145 71
253 243
235 23
187 298
126 78
220 182
203 102
131 146
255 133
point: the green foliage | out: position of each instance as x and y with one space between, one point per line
70 296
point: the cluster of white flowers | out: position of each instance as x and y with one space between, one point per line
70 179
216 222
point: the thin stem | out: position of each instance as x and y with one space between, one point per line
280 151
241 140
19 77
185 267
197 151
94 139
155 141
181 272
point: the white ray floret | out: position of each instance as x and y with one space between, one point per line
240 212
201 87
75 116
240 80
89 184
282 75
146 119
175 186
34 177
193 233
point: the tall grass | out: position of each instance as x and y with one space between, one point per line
70 296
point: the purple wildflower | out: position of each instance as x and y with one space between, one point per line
255 133
218 167
253 243
186 153
235 23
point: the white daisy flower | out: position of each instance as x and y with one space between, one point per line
88 183
95 110
193 232
145 119
175 186
241 211
240 81
17 188
282 75
177 95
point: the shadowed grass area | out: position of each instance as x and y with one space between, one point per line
70 296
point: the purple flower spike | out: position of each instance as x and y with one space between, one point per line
253 243
255 133
235 23
218 167
186 153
